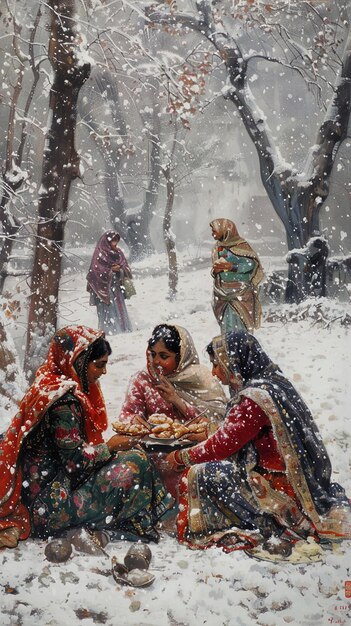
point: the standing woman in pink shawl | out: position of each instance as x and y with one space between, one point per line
105 277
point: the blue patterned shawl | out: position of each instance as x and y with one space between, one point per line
241 354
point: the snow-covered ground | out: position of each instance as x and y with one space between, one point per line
195 588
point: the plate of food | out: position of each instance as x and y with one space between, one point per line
155 444
164 440
170 434
166 428
135 429
160 432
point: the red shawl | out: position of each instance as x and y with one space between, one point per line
53 379
100 273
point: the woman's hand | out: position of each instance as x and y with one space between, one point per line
137 419
167 391
118 443
115 267
221 265
172 463
196 437
200 429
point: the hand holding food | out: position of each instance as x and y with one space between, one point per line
166 390
117 443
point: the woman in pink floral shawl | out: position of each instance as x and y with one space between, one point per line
108 269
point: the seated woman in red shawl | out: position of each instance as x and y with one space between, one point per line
264 477
108 269
56 470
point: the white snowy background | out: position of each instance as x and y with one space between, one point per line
194 588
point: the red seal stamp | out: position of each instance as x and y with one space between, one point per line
347 588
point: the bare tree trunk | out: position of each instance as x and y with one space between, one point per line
297 198
11 383
134 229
139 240
60 167
13 179
169 237
110 151
12 182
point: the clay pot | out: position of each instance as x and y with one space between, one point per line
58 550
88 543
119 572
140 578
134 578
138 557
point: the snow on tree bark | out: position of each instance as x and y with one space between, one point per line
296 196
13 175
60 168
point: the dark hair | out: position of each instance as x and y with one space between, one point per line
116 237
168 334
97 349
100 347
210 350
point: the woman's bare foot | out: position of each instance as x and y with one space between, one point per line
280 547
228 541
9 537
169 526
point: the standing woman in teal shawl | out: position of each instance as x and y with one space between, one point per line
237 272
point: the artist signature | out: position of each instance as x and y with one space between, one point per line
341 619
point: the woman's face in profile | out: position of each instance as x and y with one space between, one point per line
96 369
235 382
218 372
164 361
215 234
114 244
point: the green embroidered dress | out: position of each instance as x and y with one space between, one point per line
67 482
56 471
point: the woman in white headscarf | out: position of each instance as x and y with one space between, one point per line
174 384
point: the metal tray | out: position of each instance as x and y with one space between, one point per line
152 444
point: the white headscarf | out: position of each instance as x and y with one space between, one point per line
194 382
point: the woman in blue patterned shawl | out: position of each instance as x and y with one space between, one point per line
265 472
